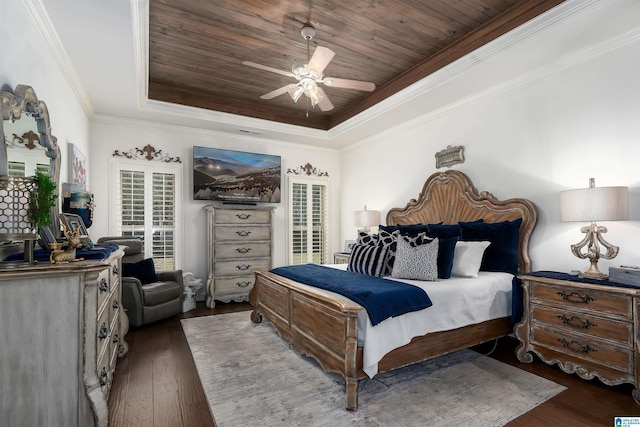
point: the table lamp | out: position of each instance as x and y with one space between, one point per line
594 204
366 219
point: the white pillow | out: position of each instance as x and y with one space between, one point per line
467 258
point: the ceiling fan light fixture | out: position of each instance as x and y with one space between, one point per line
296 93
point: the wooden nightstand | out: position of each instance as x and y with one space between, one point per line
584 328
341 257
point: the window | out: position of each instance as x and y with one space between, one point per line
308 220
145 204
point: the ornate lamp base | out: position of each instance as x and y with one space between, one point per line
593 240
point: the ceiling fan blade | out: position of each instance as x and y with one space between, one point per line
320 59
325 104
265 68
278 92
349 84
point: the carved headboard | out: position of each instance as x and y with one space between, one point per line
450 197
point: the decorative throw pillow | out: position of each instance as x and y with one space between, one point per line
144 270
405 229
446 251
467 258
446 231
366 238
416 261
368 259
504 236
389 240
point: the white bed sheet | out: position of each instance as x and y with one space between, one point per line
456 302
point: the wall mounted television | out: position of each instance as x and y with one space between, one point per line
235 176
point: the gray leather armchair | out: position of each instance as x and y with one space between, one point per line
153 301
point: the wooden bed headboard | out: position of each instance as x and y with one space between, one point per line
450 197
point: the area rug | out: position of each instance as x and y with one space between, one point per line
252 378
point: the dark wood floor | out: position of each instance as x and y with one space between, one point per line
156 384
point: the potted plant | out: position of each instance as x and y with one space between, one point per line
42 200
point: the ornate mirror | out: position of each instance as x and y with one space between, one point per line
28 146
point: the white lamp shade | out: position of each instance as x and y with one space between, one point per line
366 218
595 204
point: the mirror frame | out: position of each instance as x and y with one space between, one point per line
24 100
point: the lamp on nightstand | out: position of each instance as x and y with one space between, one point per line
594 204
366 219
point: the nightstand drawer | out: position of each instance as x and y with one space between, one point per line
584 348
576 298
585 323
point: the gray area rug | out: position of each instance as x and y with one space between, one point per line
252 378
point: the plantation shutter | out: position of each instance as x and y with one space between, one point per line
309 221
146 207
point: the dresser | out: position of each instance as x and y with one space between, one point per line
590 329
240 240
62 332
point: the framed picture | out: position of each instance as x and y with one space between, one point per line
72 222
348 245
77 166
46 237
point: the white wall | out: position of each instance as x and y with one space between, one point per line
27 59
109 134
532 139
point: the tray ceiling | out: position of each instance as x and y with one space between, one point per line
196 49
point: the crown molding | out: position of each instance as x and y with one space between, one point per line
40 17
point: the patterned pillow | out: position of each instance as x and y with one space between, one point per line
368 259
416 261
366 238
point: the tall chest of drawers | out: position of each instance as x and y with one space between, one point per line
240 240
62 332
587 329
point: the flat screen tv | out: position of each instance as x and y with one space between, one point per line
235 176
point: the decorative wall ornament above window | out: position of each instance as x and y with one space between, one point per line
308 170
450 156
147 152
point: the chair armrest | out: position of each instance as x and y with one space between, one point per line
132 299
171 276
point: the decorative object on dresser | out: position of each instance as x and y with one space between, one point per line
239 241
625 274
366 219
147 295
585 326
63 331
594 204
325 326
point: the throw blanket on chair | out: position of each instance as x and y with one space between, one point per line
382 298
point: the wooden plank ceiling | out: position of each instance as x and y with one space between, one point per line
196 48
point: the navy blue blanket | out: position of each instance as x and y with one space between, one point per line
381 298
101 251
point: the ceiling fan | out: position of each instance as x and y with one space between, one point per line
309 74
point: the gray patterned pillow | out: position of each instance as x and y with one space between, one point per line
419 262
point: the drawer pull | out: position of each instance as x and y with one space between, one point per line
243 216
576 346
104 285
114 269
104 331
576 298
576 322
103 376
243 250
243 267
115 304
243 233
243 284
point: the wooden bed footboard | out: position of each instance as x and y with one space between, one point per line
313 325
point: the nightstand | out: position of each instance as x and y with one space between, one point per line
341 257
584 326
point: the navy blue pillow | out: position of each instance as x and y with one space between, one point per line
144 270
502 253
447 231
446 249
405 229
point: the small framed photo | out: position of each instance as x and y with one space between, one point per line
348 245
72 222
46 237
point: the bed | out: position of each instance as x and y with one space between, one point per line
324 326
